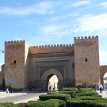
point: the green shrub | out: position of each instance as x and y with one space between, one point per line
7 105
87 94
54 96
86 103
79 93
74 92
47 103
82 97
77 89
71 93
89 98
85 89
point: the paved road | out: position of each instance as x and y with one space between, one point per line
25 97
19 97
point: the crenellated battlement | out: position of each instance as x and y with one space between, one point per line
14 42
56 45
86 38
51 48
86 41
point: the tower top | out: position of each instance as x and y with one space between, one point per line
86 41
86 38
14 42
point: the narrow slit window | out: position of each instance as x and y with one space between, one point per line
86 59
14 61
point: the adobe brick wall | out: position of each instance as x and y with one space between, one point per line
1 75
86 58
15 61
83 65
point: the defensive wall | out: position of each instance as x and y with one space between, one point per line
75 64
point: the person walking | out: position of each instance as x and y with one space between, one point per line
100 88
95 87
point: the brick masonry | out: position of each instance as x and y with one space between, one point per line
75 64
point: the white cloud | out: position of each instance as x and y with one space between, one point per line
91 23
104 4
80 3
54 29
40 8
73 4
103 55
63 17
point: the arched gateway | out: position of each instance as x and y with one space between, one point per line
45 67
46 75
32 66
103 70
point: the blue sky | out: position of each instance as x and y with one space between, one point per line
42 22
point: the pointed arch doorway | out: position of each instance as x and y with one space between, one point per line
105 80
52 79
52 82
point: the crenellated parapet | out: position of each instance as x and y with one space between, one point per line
56 45
86 41
51 48
86 38
14 42
10 45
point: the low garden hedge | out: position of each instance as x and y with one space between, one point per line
80 92
67 97
47 103
89 98
54 96
86 103
71 93
7 105
82 97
